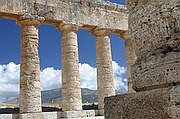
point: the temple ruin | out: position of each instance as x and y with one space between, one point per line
99 17
151 30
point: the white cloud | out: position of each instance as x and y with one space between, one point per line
88 76
119 76
9 81
51 78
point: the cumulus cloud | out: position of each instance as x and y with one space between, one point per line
119 77
9 81
89 79
51 79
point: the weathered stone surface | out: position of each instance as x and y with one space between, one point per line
85 13
68 15
6 116
154 26
154 104
78 114
46 115
88 113
71 90
30 95
105 79
157 72
32 116
72 114
43 115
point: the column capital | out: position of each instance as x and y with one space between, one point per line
100 32
125 35
28 22
67 27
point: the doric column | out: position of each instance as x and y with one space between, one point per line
71 90
130 58
30 95
105 79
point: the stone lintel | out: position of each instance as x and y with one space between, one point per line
154 104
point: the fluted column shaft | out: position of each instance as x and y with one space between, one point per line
130 59
30 95
71 90
105 79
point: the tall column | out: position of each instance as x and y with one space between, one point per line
71 90
105 79
30 95
130 59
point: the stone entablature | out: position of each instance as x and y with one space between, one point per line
87 14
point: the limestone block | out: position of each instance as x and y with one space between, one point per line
43 115
72 114
157 72
154 27
6 116
88 113
161 103
101 112
32 116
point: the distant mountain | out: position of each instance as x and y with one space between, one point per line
54 96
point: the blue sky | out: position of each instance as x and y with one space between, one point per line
50 57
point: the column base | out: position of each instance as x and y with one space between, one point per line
163 103
78 114
84 114
32 116
42 115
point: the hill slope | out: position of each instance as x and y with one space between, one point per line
54 96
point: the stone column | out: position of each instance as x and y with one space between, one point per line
130 59
105 79
30 95
71 90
